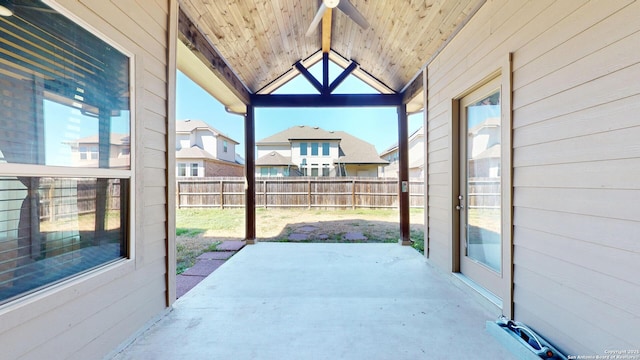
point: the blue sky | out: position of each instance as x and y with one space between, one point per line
376 125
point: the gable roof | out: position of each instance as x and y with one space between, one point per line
301 132
193 152
260 40
357 151
274 158
189 125
413 136
115 139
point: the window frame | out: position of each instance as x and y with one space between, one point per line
56 171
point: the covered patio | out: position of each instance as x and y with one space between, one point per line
322 301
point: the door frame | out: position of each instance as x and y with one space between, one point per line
504 72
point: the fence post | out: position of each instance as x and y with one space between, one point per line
353 194
178 193
309 194
222 194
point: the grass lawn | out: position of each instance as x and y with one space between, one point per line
200 230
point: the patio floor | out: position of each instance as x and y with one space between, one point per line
322 301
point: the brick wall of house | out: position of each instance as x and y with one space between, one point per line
219 168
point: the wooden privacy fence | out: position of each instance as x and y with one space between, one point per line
297 192
60 198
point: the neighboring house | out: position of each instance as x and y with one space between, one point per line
202 151
84 151
312 151
484 149
416 157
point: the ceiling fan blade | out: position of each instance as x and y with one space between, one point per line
346 7
316 19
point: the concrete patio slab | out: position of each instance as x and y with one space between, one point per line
322 301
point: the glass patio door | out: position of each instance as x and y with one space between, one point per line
479 200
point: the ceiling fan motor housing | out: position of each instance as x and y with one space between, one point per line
331 3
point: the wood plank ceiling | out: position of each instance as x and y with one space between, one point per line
261 39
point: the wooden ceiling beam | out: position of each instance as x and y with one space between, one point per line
412 89
197 42
326 30
331 100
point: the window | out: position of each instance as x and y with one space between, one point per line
314 149
303 148
182 169
325 170
94 153
224 145
194 169
325 149
264 171
83 152
65 106
273 171
314 169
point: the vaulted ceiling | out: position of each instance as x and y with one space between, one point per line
260 40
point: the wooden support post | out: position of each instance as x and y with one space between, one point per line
403 181
250 176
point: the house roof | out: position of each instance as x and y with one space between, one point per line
259 40
491 153
274 159
115 139
413 136
492 122
301 132
189 125
357 151
193 152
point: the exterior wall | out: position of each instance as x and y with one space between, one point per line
262 150
183 141
90 315
230 154
221 168
319 159
206 141
576 161
362 170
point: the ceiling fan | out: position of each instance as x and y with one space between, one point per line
343 5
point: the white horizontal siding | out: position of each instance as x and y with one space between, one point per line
576 161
